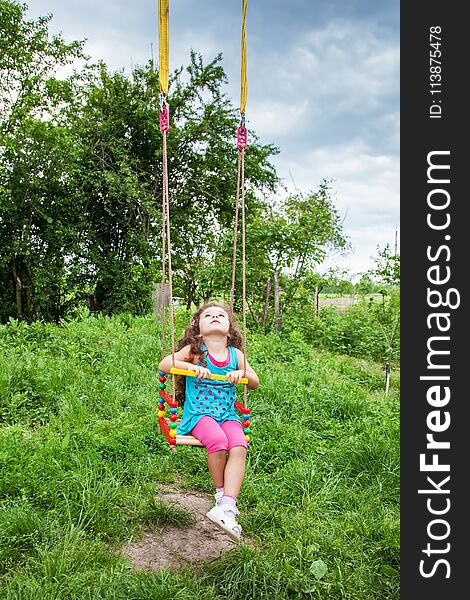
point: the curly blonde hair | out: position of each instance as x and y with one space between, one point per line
192 337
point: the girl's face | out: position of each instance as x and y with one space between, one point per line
214 320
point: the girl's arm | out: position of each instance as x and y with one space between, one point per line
235 376
182 362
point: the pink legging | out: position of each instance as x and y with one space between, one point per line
217 437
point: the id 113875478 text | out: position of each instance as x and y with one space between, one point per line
435 72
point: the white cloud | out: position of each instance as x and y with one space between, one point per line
341 70
365 189
367 239
273 119
330 101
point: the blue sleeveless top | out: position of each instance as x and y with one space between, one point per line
210 397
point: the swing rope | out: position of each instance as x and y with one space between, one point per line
163 17
235 232
245 387
240 185
241 146
166 218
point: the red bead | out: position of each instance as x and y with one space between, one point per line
161 407
162 379
246 423
173 417
172 441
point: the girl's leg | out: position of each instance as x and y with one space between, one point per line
224 514
235 467
210 433
216 461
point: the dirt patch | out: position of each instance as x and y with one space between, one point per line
180 547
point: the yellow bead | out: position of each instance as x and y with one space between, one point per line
172 432
248 437
161 413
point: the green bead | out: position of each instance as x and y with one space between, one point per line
173 425
247 430
162 386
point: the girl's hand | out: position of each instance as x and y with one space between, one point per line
235 376
201 372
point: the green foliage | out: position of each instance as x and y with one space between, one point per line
316 227
387 269
80 223
369 329
29 59
81 468
203 175
80 190
366 286
293 236
37 209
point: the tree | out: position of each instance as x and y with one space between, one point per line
38 219
387 269
80 175
115 129
34 150
387 313
366 285
282 246
120 179
203 175
29 60
316 227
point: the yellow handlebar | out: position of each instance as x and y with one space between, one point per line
176 371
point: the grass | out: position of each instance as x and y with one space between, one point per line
81 461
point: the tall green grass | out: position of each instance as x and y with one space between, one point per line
81 461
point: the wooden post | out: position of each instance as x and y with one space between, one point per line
157 297
17 282
266 304
277 307
387 378
316 295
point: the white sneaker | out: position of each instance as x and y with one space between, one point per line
221 515
218 497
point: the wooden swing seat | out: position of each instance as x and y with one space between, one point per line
164 422
181 440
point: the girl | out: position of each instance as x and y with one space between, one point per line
211 344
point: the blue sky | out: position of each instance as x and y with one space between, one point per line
323 86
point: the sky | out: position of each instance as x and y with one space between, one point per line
323 86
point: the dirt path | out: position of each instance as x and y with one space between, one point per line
180 546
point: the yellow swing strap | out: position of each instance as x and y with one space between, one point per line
163 45
243 91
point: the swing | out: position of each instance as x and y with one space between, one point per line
169 423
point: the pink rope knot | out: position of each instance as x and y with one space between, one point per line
164 119
242 136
